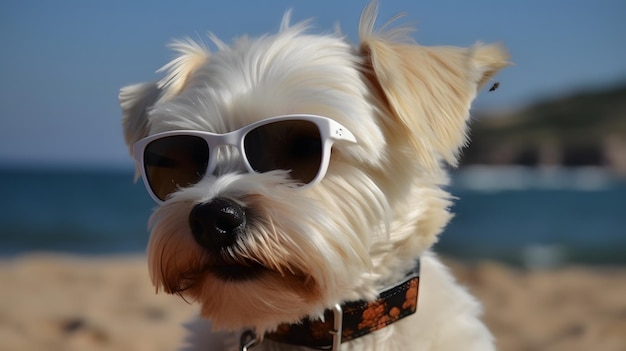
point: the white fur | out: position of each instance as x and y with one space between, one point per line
378 208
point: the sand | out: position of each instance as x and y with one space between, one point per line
566 309
53 302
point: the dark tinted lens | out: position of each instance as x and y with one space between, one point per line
290 145
174 162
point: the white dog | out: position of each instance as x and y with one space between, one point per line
299 182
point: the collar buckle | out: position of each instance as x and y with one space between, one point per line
337 327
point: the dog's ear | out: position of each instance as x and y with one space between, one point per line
137 100
426 90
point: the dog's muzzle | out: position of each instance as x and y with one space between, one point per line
216 225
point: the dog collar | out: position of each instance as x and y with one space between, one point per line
349 320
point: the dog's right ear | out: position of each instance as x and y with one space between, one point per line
137 100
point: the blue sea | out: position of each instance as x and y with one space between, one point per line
516 215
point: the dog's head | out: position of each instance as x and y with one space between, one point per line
318 180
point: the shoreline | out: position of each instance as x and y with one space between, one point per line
75 302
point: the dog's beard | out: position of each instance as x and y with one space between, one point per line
299 252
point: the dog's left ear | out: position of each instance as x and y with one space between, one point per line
426 90
135 101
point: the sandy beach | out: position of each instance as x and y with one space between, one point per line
54 302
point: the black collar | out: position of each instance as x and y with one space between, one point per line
350 320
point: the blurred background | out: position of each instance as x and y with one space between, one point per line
542 185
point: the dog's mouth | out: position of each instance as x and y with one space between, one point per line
228 268
237 272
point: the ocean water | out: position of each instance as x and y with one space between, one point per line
72 211
515 215
538 217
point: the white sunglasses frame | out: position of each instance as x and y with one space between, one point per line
330 132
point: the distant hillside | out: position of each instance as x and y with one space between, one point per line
584 129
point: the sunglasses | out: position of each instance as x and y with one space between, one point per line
300 144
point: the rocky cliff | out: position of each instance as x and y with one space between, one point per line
583 129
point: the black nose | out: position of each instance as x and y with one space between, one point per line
216 224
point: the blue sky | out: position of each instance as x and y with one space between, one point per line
63 62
